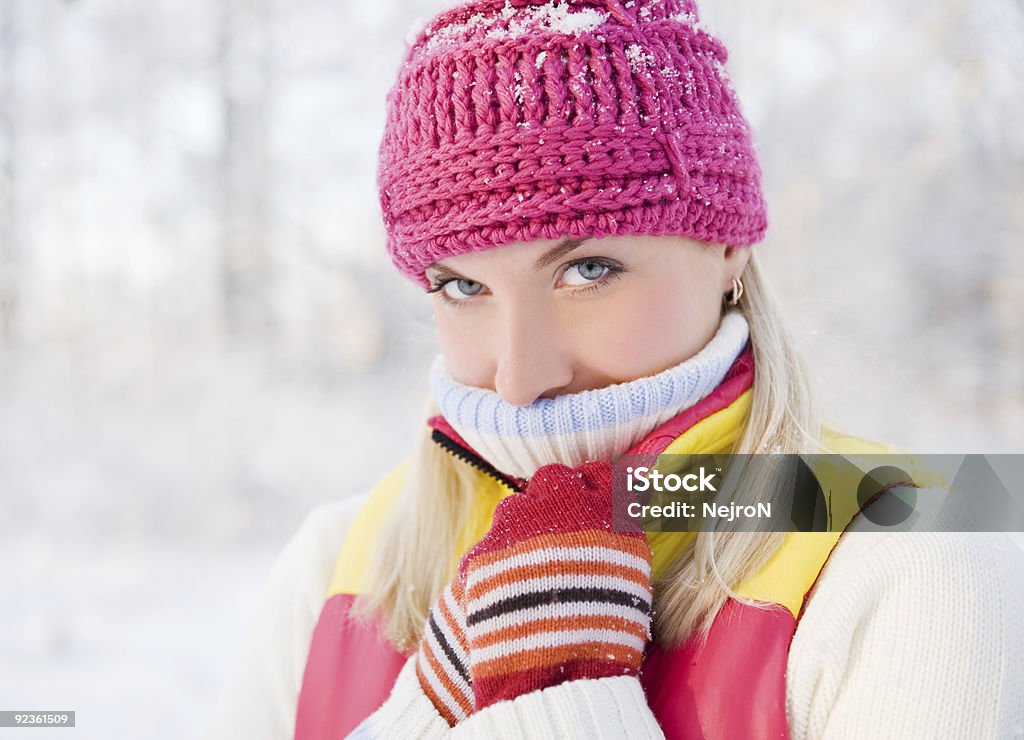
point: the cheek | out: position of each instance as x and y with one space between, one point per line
465 357
649 331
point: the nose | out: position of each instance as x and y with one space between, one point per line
534 360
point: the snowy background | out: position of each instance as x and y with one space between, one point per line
201 337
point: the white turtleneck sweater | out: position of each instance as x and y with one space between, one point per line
905 635
596 424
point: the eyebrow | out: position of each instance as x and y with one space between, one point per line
557 252
552 255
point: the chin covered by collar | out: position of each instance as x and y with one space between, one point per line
598 424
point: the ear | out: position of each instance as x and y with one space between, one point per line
735 261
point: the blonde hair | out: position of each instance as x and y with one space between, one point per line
406 577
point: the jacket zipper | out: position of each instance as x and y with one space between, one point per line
454 448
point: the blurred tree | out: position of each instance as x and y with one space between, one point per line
244 60
9 261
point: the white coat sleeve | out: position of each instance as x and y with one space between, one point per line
259 698
912 635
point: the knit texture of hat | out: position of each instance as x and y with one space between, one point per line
518 120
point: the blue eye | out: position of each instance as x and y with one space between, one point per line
582 273
460 290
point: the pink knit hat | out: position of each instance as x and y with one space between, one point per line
516 120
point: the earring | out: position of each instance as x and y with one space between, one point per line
732 298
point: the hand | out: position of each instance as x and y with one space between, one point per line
551 594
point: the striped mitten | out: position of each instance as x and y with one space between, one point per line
551 593
442 662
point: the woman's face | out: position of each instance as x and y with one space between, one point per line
544 318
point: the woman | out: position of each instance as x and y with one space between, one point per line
575 185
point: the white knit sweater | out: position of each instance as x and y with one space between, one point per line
914 635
